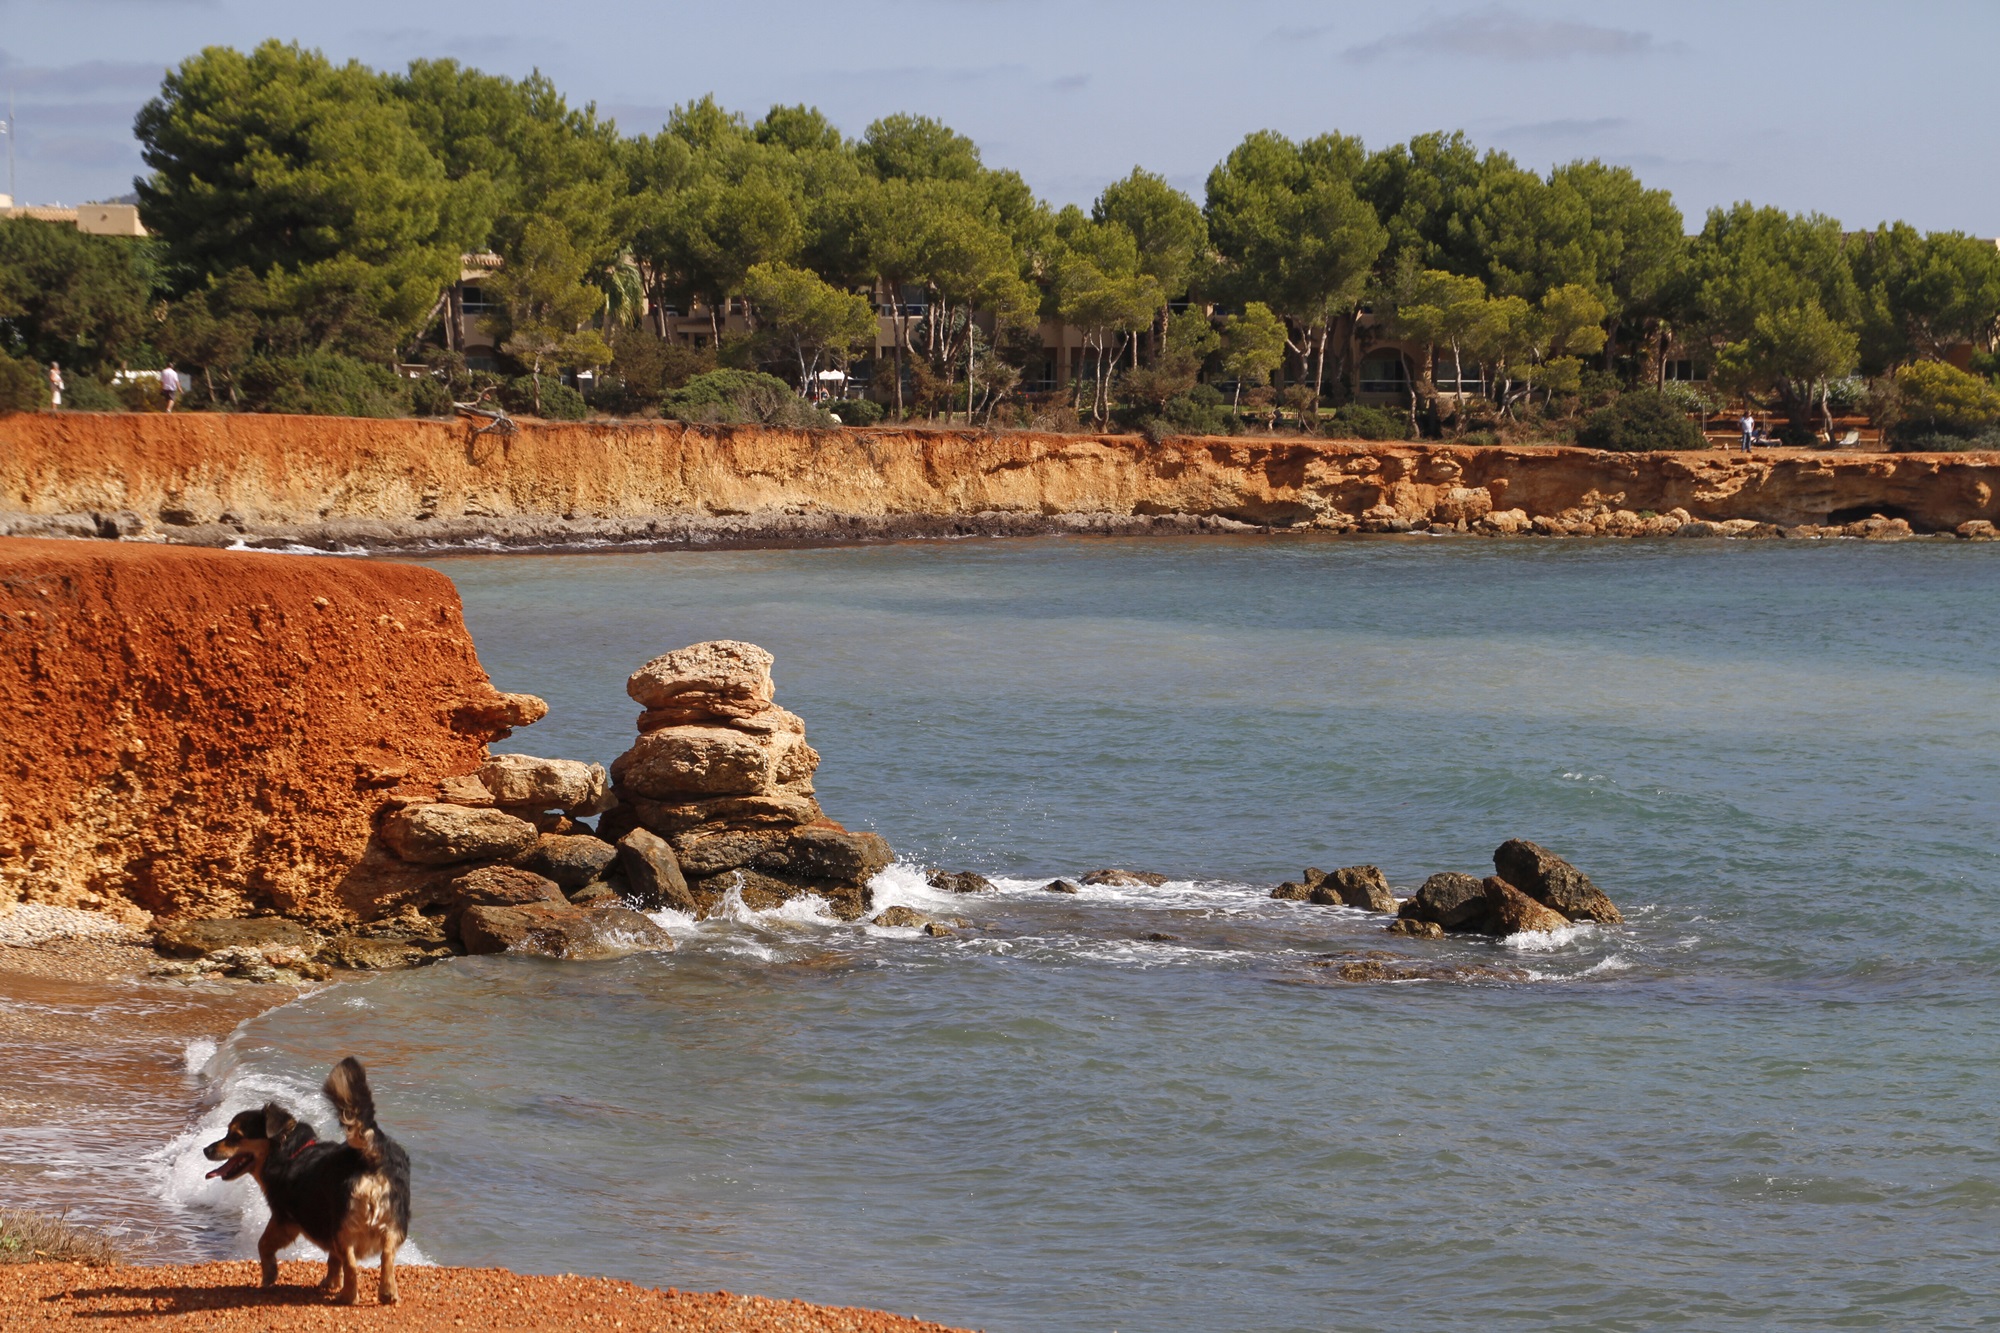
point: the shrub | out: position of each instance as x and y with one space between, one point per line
322 384
23 388
736 397
857 411
1937 400
430 397
1201 410
1357 421
86 394
1643 420
27 1238
559 401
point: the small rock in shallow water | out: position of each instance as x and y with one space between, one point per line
1380 970
1515 913
1291 891
1450 900
1060 886
1423 930
1159 937
1553 882
194 939
1355 886
939 930
901 917
560 932
652 872
1125 879
958 881
361 953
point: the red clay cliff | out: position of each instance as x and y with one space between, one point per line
205 733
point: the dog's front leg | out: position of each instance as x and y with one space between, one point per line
276 1237
332 1271
350 1286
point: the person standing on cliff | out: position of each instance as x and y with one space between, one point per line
55 385
170 385
1749 429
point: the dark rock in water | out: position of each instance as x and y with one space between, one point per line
572 861
362 953
1553 882
1515 913
560 932
1418 929
959 881
1159 937
1364 970
1450 900
1291 891
828 853
496 886
939 930
905 918
1354 886
652 873
1125 879
1060 886
761 892
194 939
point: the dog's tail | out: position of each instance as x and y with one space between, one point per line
347 1088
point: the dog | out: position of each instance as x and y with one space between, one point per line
351 1199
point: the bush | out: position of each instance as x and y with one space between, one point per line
857 411
738 397
1938 442
23 388
430 397
1637 422
559 401
1935 400
322 384
1201 410
1357 421
85 394
27 1238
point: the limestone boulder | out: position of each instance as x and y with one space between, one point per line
1060 886
1448 900
827 851
1292 891
569 932
704 761
773 810
440 834
1978 530
723 669
1512 912
571 860
1354 886
1553 882
902 918
959 881
197 939
1423 930
363 953
1125 879
567 785
652 873
496 886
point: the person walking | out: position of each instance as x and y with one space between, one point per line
55 385
170 385
1749 430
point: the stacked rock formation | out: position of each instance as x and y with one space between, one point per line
1533 889
721 782
499 862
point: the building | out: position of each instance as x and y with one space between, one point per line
91 219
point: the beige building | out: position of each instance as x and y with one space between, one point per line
91 219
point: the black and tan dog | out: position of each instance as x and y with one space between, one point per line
351 1199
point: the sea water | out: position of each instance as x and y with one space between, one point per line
1766 1101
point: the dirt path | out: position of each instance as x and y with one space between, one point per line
226 1296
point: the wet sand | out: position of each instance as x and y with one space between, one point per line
226 1296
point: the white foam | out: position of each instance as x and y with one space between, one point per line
1547 941
196 1058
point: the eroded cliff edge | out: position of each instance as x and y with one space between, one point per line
208 733
217 480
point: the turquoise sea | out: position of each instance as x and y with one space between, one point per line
1768 1101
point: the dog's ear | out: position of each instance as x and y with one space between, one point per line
277 1121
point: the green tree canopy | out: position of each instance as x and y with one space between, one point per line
67 297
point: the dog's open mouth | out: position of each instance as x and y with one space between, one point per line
232 1168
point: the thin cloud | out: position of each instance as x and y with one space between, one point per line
1070 83
1507 35
1564 129
91 76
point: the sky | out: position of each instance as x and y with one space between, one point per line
1864 110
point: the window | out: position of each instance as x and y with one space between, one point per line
1384 374
474 301
1456 376
1685 371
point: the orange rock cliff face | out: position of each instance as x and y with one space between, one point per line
207 733
214 479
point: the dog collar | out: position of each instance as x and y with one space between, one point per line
301 1148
